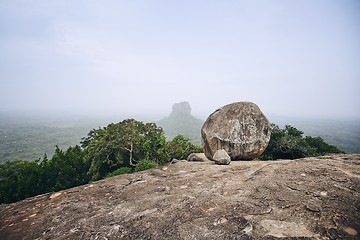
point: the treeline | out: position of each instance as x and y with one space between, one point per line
21 179
289 143
127 147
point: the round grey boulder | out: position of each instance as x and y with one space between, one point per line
240 128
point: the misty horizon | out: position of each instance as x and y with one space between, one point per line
88 58
111 117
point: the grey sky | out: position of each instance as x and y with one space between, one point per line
299 58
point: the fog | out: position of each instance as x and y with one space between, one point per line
292 58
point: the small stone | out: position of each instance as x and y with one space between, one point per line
221 157
210 209
197 157
116 228
160 189
351 231
220 221
282 229
55 195
248 229
223 220
174 161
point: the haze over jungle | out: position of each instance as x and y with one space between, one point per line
29 137
291 58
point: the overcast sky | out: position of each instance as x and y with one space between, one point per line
296 58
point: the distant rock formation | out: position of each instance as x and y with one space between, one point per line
240 128
182 108
180 121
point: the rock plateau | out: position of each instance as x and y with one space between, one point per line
310 198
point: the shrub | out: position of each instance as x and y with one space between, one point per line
122 170
289 143
145 164
180 147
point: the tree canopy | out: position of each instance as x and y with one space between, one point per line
121 144
21 179
127 147
65 169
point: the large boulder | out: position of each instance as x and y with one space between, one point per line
240 128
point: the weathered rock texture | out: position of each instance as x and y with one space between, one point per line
311 198
240 128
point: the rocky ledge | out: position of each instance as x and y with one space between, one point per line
310 198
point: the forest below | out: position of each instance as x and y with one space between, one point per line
126 147
24 138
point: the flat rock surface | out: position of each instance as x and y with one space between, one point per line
311 198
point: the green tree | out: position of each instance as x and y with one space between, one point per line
19 179
121 145
321 147
122 170
65 169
